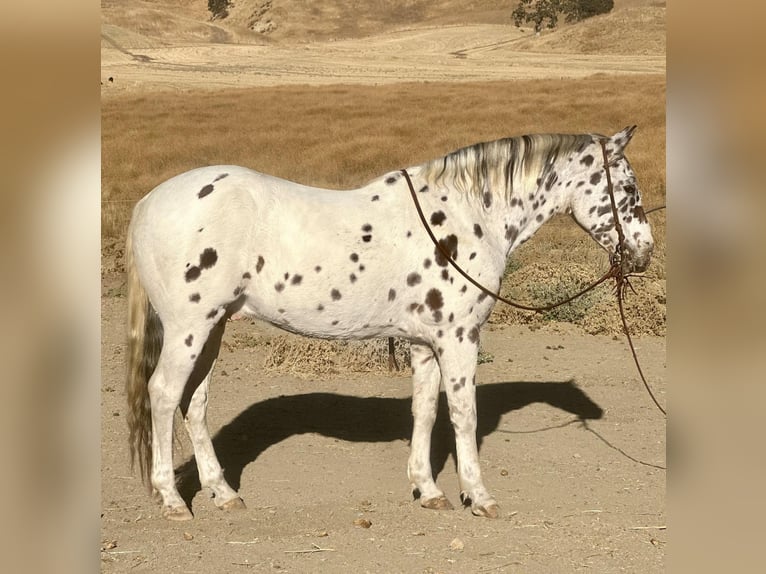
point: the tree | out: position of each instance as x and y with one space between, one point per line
547 12
218 8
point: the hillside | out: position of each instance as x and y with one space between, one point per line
633 27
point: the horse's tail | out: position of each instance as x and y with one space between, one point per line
144 346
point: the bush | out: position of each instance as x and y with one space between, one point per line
218 8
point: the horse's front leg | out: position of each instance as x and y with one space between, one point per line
425 401
458 369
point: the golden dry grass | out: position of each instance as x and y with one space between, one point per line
342 136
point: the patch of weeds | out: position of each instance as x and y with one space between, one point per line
511 266
247 340
485 357
548 293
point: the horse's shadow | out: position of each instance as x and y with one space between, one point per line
372 419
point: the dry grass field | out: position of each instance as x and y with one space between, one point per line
314 434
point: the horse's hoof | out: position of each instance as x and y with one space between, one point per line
235 503
438 503
176 513
490 511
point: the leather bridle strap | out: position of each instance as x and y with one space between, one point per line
482 288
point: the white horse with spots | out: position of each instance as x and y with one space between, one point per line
350 265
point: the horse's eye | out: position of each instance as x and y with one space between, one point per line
631 189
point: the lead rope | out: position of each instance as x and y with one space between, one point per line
614 271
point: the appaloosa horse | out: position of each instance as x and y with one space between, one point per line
350 265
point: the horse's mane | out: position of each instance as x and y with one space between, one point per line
500 166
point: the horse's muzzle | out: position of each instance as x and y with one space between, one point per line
634 260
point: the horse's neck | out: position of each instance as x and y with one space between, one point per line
528 208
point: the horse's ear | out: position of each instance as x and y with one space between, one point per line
621 139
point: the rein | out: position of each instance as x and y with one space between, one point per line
478 285
614 271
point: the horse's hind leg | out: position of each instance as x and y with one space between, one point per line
194 408
425 401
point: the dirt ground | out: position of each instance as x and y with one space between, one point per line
571 446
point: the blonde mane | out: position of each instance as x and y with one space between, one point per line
502 166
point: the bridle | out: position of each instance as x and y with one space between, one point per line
614 271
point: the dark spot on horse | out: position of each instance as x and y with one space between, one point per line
238 290
366 227
279 286
280 311
580 184
440 333
588 191
487 199
391 179
361 268
459 385
438 217
320 307
473 335
481 297
200 230
259 264
423 189
603 210
451 317
447 248
189 340
194 356
587 161
287 276
354 257
472 255
595 178
440 351
212 314
335 322
352 278
192 274
366 238
413 279
413 306
318 268
512 233
437 315
391 294
426 263
459 334
296 280
246 275
444 198
477 231
194 297
539 218
207 190
220 177
640 214
515 201
434 299
208 258
535 205
409 234
464 288
375 198
445 274
335 295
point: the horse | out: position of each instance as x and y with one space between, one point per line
351 264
